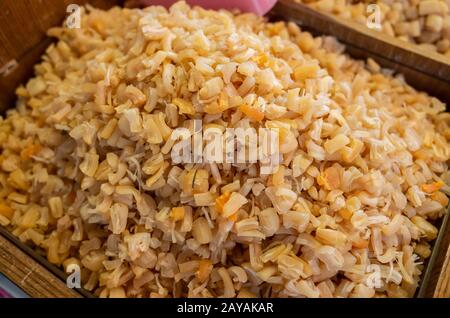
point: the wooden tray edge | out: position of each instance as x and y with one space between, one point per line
12 252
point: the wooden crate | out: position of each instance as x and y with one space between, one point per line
23 39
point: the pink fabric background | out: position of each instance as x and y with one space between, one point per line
260 7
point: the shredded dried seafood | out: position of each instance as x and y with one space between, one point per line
86 174
424 22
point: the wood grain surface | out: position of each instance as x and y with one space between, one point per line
33 278
443 286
